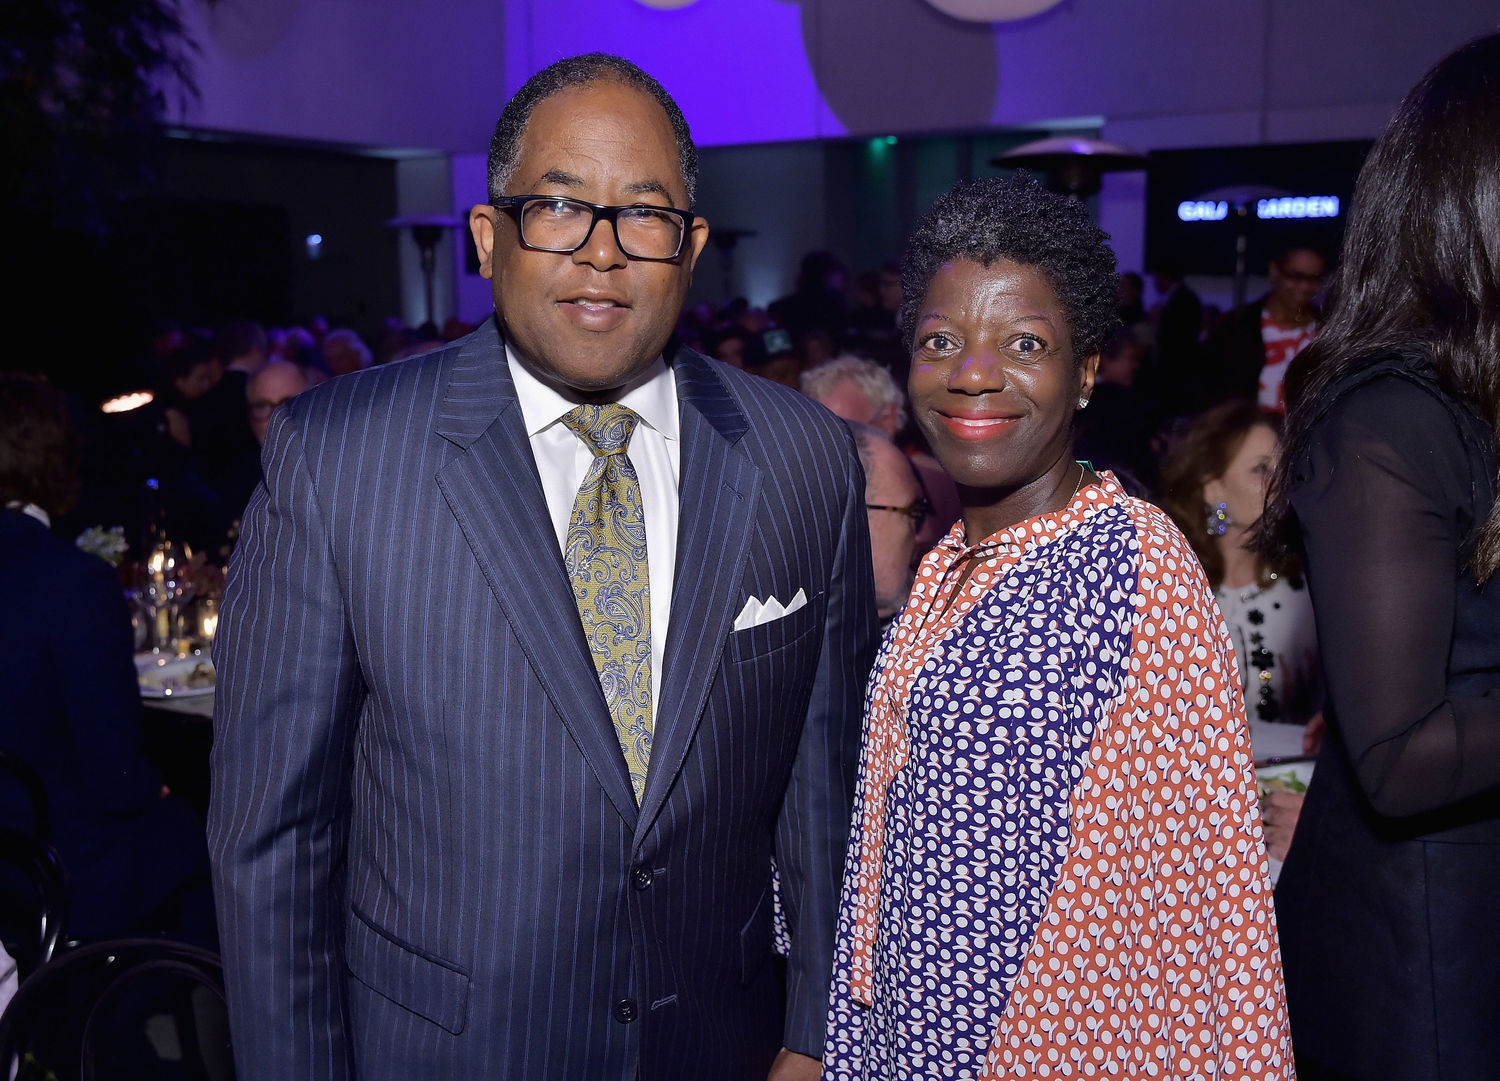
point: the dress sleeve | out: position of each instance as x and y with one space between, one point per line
1377 501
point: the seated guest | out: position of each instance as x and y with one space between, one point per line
862 391
72 706
896 508
277 382
859 390
1055 858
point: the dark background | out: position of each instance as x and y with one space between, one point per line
216 231
1207 247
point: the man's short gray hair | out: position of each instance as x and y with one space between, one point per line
874 382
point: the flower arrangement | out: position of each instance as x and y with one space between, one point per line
108 544
205 578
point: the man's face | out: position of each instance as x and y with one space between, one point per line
591 321
845 399
267 389
1296 281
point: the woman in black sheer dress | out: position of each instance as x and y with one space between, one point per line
1389 903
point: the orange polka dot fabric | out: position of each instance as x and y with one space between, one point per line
1056 866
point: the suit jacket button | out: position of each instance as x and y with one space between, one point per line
640 878
625 1011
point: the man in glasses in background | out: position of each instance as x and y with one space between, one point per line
896 508
277 382
864 392
535 650
1249 353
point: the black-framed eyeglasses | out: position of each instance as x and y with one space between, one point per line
918 510
261 409
552 223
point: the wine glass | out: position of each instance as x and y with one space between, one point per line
166 590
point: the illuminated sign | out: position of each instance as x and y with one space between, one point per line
1291 206
1202 210
1299 206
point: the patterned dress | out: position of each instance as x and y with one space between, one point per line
1056 866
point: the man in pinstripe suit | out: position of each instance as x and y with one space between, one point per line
430 860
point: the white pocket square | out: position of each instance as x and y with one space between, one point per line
755 613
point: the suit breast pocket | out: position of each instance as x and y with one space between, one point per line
769 637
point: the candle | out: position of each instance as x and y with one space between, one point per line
208 619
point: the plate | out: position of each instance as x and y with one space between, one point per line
1277 774
174 677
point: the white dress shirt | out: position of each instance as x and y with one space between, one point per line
562 459
31 510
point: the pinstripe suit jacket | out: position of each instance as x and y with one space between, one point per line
428 859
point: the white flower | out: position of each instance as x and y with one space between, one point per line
108 544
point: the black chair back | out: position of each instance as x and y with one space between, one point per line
33 900
123 1010
21 776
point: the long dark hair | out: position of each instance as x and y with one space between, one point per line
1420 269
1202 453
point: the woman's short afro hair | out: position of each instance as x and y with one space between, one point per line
1015 218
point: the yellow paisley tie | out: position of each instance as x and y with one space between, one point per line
606 560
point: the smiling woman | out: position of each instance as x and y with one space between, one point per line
1055 867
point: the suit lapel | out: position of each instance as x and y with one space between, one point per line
718 490
493 490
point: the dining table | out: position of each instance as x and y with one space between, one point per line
177 699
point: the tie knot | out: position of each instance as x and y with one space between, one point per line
605 428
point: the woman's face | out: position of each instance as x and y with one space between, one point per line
994 383
1242 488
